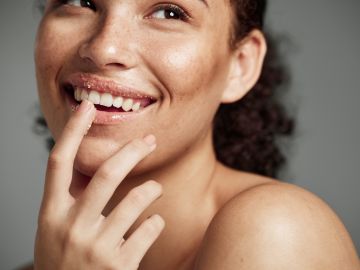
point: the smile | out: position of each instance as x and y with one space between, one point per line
107 100
114 103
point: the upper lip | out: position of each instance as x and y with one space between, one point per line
105 85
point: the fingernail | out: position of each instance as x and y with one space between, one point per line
85 106
150 140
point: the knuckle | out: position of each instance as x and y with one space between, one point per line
47 227
54 160
95 253
105 173
114 264
72 238
45 220
57 157
129 261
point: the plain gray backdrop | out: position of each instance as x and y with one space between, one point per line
323 56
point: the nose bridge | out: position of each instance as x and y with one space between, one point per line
110 43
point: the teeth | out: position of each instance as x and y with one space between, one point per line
77 94
94 97
106 99
127 105
118 101
136 106
84 95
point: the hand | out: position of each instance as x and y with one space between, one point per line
72 232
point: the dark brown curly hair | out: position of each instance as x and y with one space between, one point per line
245 132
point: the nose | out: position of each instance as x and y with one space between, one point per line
109 46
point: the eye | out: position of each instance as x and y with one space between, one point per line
169 12
79 3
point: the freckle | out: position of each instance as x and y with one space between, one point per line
178 60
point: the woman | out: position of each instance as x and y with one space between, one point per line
157 73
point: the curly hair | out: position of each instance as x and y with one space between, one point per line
245 132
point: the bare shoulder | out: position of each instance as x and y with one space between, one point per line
275 225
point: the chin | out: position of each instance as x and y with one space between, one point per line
93 153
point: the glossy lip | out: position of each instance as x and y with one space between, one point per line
104 85
92 82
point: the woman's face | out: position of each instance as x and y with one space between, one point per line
172 57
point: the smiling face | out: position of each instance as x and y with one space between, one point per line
176 55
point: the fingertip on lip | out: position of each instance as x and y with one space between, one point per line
89 103
85 106
87 109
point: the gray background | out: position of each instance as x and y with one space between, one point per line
324 59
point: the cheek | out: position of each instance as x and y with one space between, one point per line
193 70
193 73
188 66
50 47
184 69
50 54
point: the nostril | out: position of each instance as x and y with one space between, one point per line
105 52
115 65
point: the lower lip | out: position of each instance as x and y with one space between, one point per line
109 118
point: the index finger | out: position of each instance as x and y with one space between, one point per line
61 160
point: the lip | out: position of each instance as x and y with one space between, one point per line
104 85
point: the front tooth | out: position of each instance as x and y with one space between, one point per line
84 95
94 97
77 94
118 101
127 105
136 106
106 100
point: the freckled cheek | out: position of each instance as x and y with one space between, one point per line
52 46
50 56
184 69
190 75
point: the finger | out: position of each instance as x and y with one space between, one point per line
61 159
110 174
135 247
127 211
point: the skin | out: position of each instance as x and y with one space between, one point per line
97 199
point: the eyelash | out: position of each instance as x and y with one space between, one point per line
66 2
179 12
